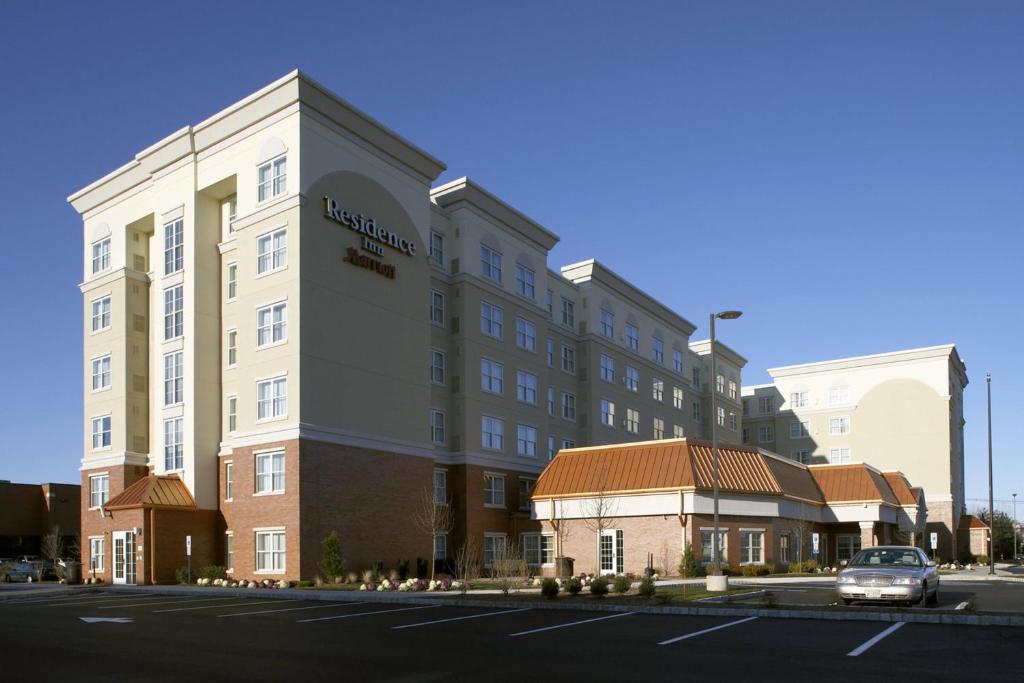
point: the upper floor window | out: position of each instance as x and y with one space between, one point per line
492 376
229 481
838 396
677 360
490 264
232 344
632 337
607 413
696 411
440 487
720 383
437 367
659 428
764 405
607 368
174 378
733 389
798 399
568 313
524 281
632 379
526 387
551 353
494 490
839 456
677 398
608 324
272 251
839 425
802 456
273 179
733 423
526 335
272 324
101 372
677 432
272 398
526 441
721 416
174 445
696 378
491 320
632 421
437 248
101 432
437 426
657 389
174 312
765 433
174 249
232 281
437 307
101 314
568 359
99 490
551 303
658 351
568 407
101 255
492 433
798 429
270 472
232 414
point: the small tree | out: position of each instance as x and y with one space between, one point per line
801 528
332 564
434 518
688 562
467 564
599 511
508 566
52 548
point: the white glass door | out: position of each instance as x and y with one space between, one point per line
118 537
124 557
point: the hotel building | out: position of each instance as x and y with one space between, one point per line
291 330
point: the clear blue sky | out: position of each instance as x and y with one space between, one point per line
848 174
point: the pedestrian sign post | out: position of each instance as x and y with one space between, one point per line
935 542
188 555
814 544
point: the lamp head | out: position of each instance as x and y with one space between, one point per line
728 315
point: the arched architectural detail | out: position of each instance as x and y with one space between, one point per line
272 147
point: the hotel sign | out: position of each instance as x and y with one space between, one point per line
375 237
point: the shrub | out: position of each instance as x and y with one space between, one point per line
213 571
647 588
749 570
181 575
688 566
573 586
726 569
622 584
768 569
599 586
332 565
304 583
983 559
549 588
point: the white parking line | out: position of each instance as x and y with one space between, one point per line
468 616
30 601
571 623
84 601
232 604
870 643
183 600
364 614
707 630
291 609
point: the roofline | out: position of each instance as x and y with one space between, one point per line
607 446
738 359
870 359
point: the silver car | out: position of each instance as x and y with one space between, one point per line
901 574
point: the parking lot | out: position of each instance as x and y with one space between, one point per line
104 635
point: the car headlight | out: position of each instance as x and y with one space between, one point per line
906 581
847 579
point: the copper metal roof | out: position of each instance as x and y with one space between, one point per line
154 491
795 479
852 483
971 522
901 488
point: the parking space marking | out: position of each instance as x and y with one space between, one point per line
291 609
571 623
30 601
177 601
364 614
87 601
707 630
868 644
468 616
232 604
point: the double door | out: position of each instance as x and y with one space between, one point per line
124 557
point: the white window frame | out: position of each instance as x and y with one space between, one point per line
174 378
229 551
437 304
174 444
231 345
492 433
492 320
678 398
657 389
551 401
97 554
801 455
101 255
440 487
492 376
229 481
272 325
276 553
632 420
100 371
765 405
607 323
526 335
657 351
105 432
568 406
494 490
840 455
490 264
174 312
723 544
839 425
232 281
272 251
437 425
678 432
98 496
607 368
272 481
608 413
436 248
799 429
568 359
765 434
491 546
798 399
838 396
275 182
438 367
568 313
658 428
174 246
526 441
632 379
232 407
677 361
525 282
275 405
748 548
101 313
633 336
526 387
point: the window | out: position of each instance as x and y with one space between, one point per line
632 379
677 360
174 378
174 445
437 426
607 368
99 490
272 398
632 337
229 550
101 432
232 344
568 313
720 383
746 407
232 414
551 303
801 455
272 251
764 405
551 400
101 314
441 487
437 307
568 360
96 553
784 548
174 312
494 490
492 376
696 411
732 389
526 335
272 325
101 373
608 324
746 435
706 549
607 413
174 249
229 481
798 399
568 407
551 447
270 556
101 255
677 398
524 281
494 547
751 547
437 362
232 281
839 456
696 378
847 545
526 441
437 248
838 426
658 351
677 432
838 396
732 421
538 549
657 389
526 387
441 547
659 428
798 430
270 472
490 264
765 434
551 353
491 320
632 421
568 443
720 412
273 179
493 433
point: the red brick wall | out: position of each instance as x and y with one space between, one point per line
94 524
168 531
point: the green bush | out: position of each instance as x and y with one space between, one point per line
982 559
599 586
768 569
688 566
622 584
331 565
304 583
181 575
572 586
726 569
549 588
213 571
750 570
647 588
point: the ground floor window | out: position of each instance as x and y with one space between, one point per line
494 547
784 548
270 555
538 549
751 547
847 545
441 547
706 550
229 550
96 554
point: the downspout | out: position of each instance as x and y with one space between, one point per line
152 546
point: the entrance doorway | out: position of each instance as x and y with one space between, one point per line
612 559
124 557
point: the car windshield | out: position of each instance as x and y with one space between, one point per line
886 557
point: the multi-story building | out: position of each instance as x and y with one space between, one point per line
901 410
289 332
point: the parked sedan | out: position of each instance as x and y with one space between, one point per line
901 574
17 571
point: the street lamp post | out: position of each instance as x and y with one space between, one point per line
1014 527
991 511
716 582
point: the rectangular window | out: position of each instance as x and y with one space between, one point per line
551 353
492 376
568 360
751 547
96 554
696 378
632 379
746 408
538 549
174 312
174 445
746 435
272 398
632 421
659 428
765 434
272 325
490 264
847 545
232 344
441 547
608 324
232 292
551 447
706 547
101 432
838 426
494 547
270 472
232 414
526 387
526 335
101 255
437 307
273 179
524 281
607 368
733 389
229 550
174 249
437 248
99 490
784 548
494 490
677 360
658 351
491 318
270 557
441 487
802 456
492 433
764 405
272 251
721 416
100 373
677 432
568 407
229 481
607 413
720 383
437 363
632 337
657 389
551 401
838 396
101 314
568 313
798 429
174 378
551 303
839 456
798 399
732 421
677 398
526 441
437 426
568 443
696 411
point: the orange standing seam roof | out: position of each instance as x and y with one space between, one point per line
901 488
154 491
852 483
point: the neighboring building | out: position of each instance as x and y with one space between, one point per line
973 533
31 511
288 331
654 497
901 410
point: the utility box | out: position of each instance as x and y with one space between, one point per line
563 566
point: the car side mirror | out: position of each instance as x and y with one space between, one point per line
931 563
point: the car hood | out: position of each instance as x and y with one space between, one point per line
887 569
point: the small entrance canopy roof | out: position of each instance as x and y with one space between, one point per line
154 491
